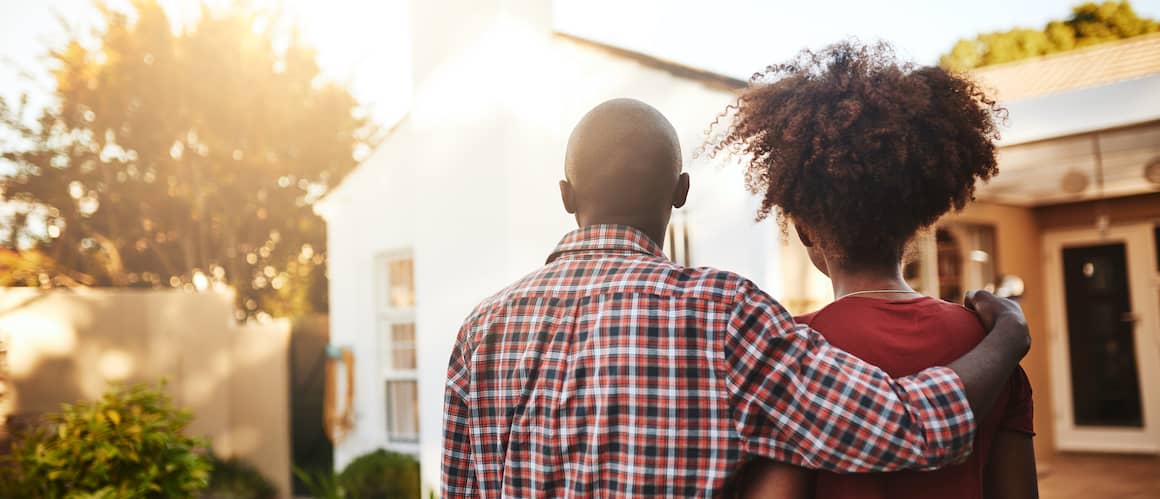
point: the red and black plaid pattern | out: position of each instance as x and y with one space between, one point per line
613 372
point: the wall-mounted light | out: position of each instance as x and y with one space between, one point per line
1152 172
1074 182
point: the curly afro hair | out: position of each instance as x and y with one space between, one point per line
862 150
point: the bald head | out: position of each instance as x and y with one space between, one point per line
623 165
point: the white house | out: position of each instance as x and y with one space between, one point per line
461 199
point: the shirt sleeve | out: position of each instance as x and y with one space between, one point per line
797 399
1019 415
459 478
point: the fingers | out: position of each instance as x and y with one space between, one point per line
985 304
979 301
969 301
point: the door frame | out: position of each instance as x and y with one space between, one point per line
1140 250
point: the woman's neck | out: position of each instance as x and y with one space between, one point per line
864 280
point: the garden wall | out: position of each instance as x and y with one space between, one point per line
69 345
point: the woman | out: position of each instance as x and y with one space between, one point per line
861 153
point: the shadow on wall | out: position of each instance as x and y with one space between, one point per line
69 345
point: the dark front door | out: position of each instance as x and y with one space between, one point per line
1100 325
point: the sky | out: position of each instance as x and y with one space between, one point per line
363 43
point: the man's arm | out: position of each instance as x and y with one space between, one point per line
800 400
985 371
459 478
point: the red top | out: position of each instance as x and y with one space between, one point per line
904 337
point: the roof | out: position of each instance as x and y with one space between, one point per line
321 206
1087 114
1104 107
1093 66
713 79
709 80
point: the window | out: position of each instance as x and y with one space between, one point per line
396 332
954 258
950 265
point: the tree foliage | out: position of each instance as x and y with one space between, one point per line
183 158
1089 24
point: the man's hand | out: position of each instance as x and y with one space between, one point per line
993 309
985 370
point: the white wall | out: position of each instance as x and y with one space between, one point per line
469 181
375 214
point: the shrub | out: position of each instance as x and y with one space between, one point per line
130 443
236 479
381 475
321 485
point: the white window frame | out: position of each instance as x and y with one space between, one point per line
386 316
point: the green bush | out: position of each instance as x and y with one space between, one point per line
236 479
321 485
381 475
377 475
130 443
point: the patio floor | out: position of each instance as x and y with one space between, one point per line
1074 476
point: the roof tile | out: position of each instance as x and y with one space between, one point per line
1087 67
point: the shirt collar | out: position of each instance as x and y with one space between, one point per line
606 238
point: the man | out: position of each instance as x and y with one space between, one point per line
612 371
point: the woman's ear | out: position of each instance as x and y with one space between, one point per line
813 249
804 235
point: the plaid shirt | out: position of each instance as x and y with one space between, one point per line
612 371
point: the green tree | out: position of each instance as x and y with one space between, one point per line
184 158
1089 24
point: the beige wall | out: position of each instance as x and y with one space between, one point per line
68 345
1019 248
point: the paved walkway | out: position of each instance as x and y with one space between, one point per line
1097 476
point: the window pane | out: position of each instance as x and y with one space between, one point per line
950 266
966 259
403 346
401 283
403 410
1105 379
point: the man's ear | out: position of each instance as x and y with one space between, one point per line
681 191
568 196
804 235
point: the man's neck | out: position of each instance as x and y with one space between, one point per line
847 279
655 231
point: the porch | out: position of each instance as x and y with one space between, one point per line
1074 476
